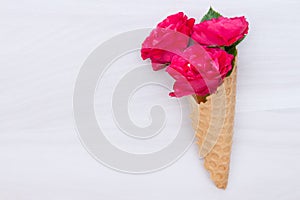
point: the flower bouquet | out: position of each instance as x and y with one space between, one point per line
202 59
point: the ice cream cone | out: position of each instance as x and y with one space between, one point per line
213 120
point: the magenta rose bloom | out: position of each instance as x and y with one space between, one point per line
170 37
222 60
199 70
221 31
178 22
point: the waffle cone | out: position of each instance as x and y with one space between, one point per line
213 120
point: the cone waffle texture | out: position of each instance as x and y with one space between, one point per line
213 121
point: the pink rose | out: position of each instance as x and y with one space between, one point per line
222 59
162 45
170 37
199 71
221 31
178 22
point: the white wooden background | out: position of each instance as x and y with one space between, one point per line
44 43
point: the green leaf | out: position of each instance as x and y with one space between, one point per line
231 50
210 15
239 41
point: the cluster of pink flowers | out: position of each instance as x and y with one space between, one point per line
194 54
